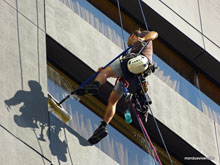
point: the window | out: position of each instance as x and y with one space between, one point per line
175 71
84 122
186 88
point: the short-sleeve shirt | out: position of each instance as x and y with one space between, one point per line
147 51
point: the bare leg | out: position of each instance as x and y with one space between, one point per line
104 75
100 79
111 107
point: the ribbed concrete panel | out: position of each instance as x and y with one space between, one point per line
23 99
78 36
210 15
14 151
175 19
187 9
183 118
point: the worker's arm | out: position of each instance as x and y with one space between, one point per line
148 51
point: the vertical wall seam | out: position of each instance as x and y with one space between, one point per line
45 17
200 20
19 46
179 16
38 54
23 15
189 24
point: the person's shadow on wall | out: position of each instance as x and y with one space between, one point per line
34 109
35 115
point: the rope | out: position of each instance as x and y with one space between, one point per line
158 129
145 22
145 133
151 151
94 75
119 12
150 146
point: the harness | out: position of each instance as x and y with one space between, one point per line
128 56
151 68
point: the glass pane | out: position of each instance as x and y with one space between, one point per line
210 108
84 122
186 89
112 31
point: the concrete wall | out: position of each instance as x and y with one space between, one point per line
194 126
29 135
170 108
23 99
197 19
78 34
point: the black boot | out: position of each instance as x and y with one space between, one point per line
88 89
99 133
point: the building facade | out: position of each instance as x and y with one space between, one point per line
55 45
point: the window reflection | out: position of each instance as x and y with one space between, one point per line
98 20
186 89
84 122
112 31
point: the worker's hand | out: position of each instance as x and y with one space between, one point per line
140 39
100 68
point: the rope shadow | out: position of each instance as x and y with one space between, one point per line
35 115
33 112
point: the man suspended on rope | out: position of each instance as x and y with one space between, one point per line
114 70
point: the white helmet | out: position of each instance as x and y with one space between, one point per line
137 64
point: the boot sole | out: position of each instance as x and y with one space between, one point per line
95 140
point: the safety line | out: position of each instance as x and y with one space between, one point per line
94 75
145 132
121 23
158 129
142 12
